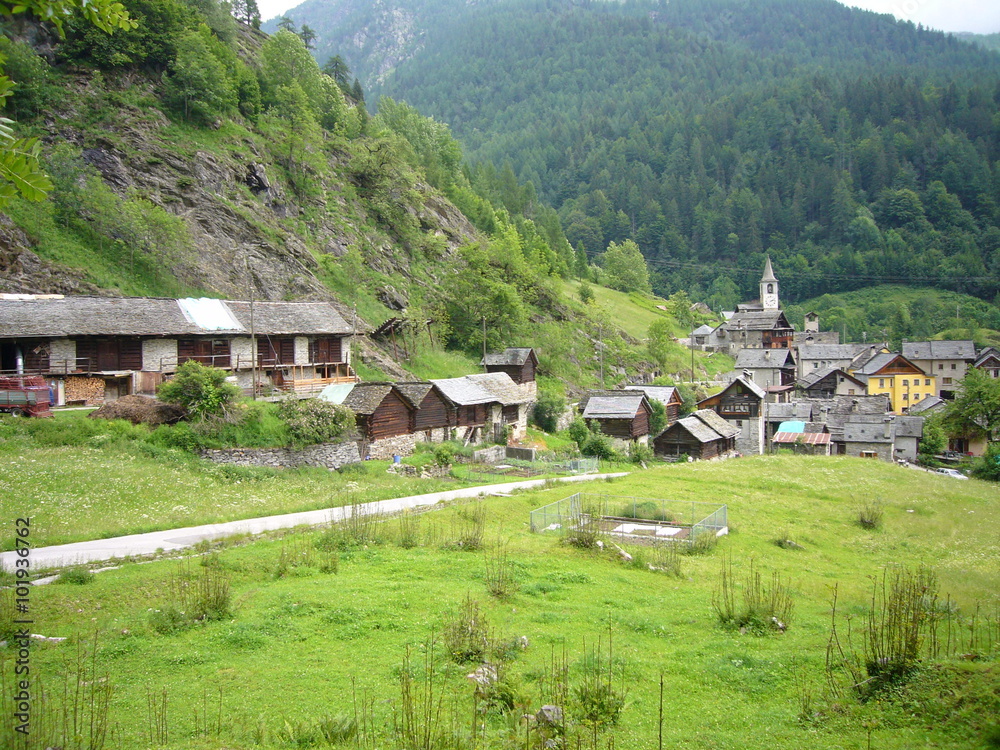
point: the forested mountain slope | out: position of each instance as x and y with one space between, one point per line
853 148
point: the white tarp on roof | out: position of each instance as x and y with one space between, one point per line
209 314
335 393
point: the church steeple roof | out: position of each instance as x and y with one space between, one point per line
768 272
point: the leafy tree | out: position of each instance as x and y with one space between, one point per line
247 11
548 408
199 389
312 420
197 86
286 24
20 170
934 439
658 418
976 407
586 293
659 339
625 268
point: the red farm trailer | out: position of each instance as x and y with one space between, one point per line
25 396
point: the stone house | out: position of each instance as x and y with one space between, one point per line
485 405
989 361
766 367
95 349
948 361
519 363
830 382
812 358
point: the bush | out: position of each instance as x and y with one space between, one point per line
313 421
444 454
199 389
75 576
870 514
988 467
548 409
639 453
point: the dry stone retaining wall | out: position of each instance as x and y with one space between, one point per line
330 455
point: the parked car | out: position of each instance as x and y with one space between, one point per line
955 473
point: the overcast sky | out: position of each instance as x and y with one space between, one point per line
981 16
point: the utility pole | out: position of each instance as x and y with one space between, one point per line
253 338
600 344
484 344
691 346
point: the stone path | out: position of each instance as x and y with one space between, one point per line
174 539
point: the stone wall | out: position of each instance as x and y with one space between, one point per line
430 471
883 450
241 352
330 455
386 448
301 350
159 355
493 455
62 355
520 454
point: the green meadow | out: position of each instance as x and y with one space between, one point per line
364 635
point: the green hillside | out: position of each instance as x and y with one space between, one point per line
359 630
852 148
892 313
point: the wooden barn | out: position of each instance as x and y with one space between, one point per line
519 363
702 435
381 410
623 415
432 418
667 395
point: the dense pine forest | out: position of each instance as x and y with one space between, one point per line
852 148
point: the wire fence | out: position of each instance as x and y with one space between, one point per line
517 468
633 518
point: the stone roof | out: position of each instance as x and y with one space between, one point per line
813 378
790 410
464 392
758 320
985 355
869 432
939 350
879 361
365 398
749 385
717 423
415 393
623 406
662 393
832 351
927 405
697 429
510 357
759 359
57 317
909 427
501 387
702 330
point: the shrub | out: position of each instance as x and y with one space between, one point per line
200 390
870 514
763 608
466 634
168 620
548 409
639 453
313 421
444 454
75 576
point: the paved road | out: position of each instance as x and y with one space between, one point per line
175 539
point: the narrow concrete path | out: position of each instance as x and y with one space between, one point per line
174 539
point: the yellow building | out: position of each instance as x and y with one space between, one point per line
898 378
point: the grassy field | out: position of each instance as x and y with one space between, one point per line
353 625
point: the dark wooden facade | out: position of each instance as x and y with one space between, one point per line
392 417
211 352
433 412
274 351
108 354
737 401
626 429
678 440
520 372
326 349
473 415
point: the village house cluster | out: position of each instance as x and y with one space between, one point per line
802 390
93 350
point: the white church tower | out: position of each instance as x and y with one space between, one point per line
768 288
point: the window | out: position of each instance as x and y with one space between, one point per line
940 367
770 288
869 454
954 367
850 391
945 381
815 365
905 381
906 397
927 382
881 382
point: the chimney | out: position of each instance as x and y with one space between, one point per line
888 428
767 354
